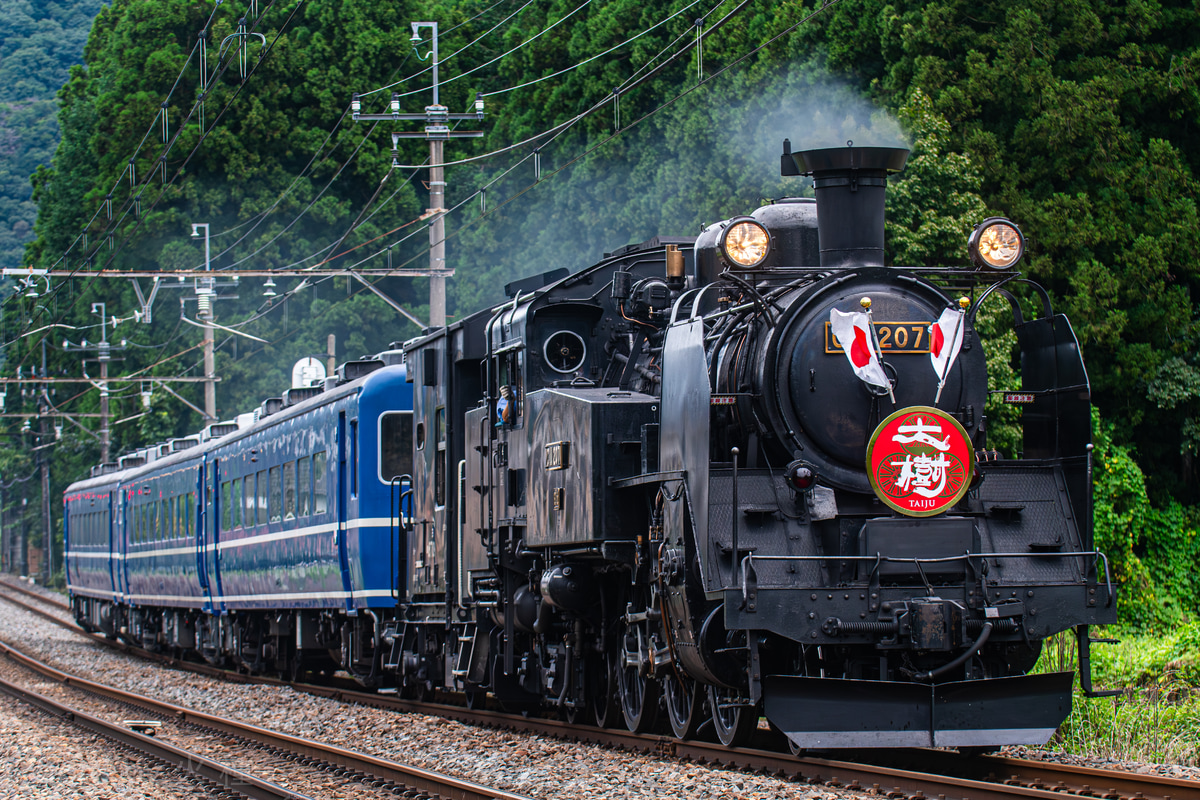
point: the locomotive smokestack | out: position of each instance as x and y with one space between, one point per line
850 183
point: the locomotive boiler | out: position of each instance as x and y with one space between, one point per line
748 474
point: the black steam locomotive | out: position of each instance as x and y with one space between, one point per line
721 478
748 475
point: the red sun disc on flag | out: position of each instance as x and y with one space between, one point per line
919 461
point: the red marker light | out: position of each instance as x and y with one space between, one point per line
801 476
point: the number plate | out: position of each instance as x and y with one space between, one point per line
558 456
894 337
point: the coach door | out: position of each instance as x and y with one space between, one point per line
345 454
207 534
116 545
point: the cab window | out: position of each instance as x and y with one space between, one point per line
439 458
395 445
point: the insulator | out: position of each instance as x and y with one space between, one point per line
204 306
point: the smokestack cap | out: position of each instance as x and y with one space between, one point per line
891 159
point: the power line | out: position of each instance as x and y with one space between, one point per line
203 136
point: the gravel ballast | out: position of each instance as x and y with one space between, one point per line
524 763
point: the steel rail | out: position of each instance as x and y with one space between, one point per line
50 601
412 778
881 772
223 776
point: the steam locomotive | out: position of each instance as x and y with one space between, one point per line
709 480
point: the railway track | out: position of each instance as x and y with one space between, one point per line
231 754
911 774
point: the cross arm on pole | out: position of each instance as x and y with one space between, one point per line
185 401
400 309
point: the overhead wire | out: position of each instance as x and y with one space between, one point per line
558 129
587 61
589 150
457 52
605 141
503 55
203 136
261 216
150 127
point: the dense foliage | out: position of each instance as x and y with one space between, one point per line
39 42
1073 119
1079 116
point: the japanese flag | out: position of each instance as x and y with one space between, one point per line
945 340
853 332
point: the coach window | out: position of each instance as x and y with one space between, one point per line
226 512
320 484
395 445
276 503
262 497
236 505
249 500
289 490
190 515
170 526
439 458
304 487
162 519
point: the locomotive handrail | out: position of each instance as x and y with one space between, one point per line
879 558
396 520
699 292
936 559
1056 390
460 528
649 477
987 293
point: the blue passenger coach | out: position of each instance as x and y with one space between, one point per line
275 543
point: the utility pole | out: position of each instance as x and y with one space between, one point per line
103 351
437 131
104 355
44 465
331 354
6 548
204 298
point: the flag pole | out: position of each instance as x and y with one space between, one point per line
866 304
963 302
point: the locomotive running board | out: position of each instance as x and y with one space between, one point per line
836 713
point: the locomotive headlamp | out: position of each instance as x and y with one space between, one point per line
996 243
801 476
745 242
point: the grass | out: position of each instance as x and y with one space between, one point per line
1156 718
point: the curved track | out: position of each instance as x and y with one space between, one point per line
372 775
913 774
